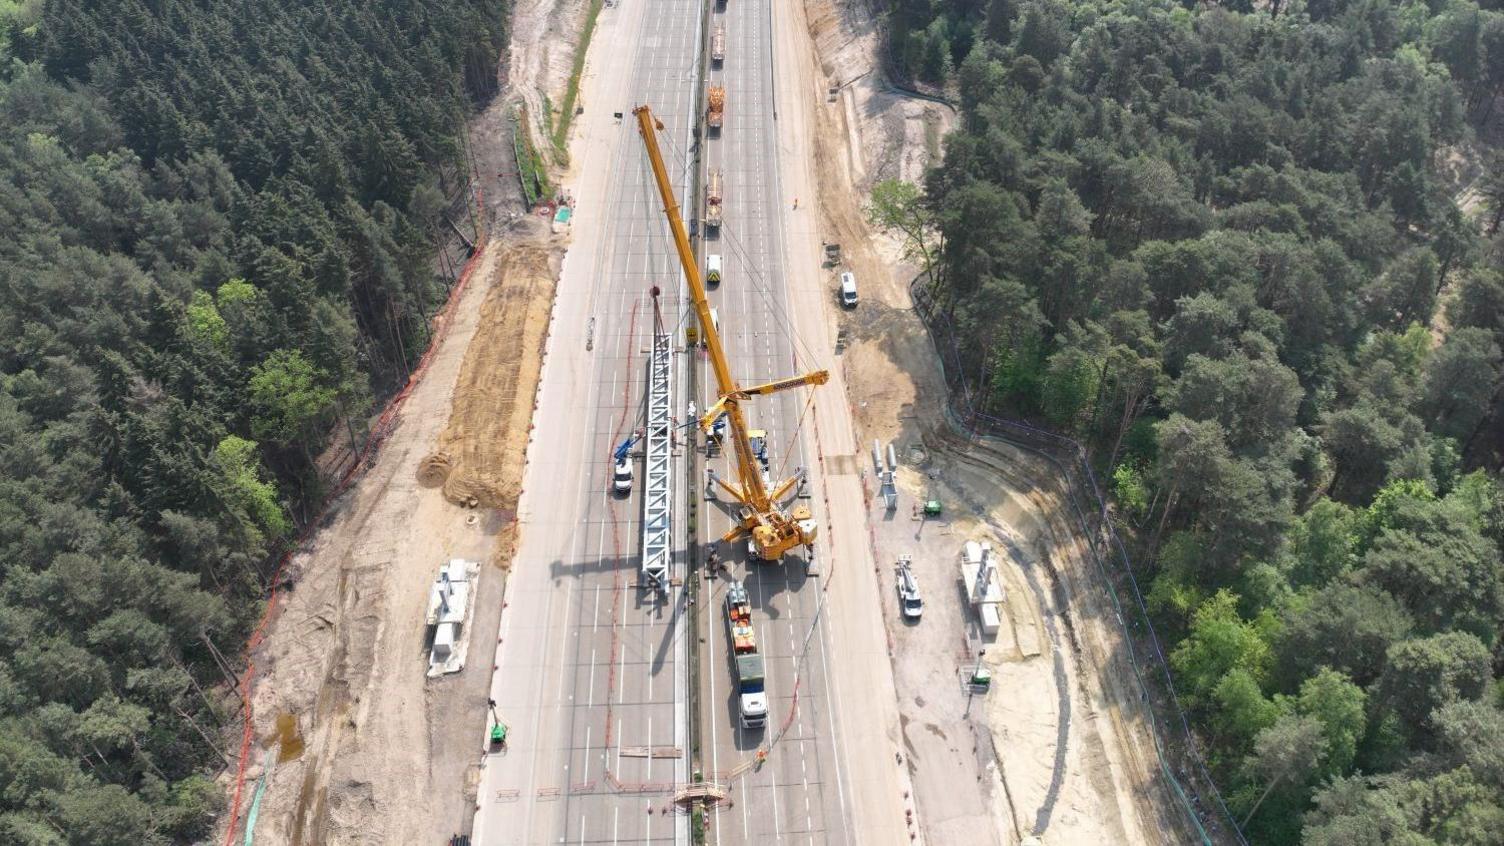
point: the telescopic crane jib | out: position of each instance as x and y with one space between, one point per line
774 531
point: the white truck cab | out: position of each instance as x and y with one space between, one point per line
848 289
713 269
754 706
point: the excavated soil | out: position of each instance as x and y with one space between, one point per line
478 457
387 755
390 756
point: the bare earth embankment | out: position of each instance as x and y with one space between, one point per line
347 654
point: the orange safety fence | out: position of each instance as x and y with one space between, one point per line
383 426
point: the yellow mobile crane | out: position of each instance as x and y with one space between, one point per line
773 530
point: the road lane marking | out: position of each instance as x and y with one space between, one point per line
715 745
648 831
568 600
746 825
643 66
621 656
590 698
832 698
773 789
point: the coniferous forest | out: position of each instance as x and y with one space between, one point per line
1250 255
216 246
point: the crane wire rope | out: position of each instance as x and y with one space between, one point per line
798 425
760 283
763 288
786 324
658 240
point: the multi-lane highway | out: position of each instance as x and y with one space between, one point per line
798 795
591 678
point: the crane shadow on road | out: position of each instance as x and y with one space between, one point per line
622 572
774 580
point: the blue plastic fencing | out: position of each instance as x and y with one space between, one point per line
1181 763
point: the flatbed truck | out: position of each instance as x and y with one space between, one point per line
750 670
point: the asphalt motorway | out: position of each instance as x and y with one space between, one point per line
591 679
799 794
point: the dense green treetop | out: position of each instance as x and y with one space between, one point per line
1222 246
217 222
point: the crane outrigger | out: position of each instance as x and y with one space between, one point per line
773 529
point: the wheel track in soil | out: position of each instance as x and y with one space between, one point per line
1083 610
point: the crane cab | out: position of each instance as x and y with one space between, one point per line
758 440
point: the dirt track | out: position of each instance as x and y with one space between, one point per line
344 661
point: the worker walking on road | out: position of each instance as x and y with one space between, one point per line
796 203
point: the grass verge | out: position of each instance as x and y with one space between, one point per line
548 121
572 93
531 171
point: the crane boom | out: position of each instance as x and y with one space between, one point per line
819 377
773 530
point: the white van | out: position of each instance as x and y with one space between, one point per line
713 269
848 289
